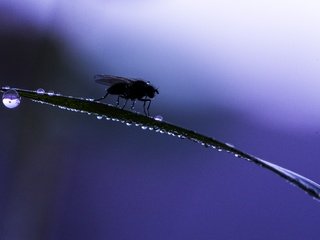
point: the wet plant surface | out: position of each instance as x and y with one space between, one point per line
12 97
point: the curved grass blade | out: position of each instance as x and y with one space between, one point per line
110 112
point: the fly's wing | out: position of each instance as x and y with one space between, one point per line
110 80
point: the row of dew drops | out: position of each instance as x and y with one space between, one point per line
11 99
293 178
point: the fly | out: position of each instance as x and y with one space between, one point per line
128 88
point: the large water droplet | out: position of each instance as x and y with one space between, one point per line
40 91
99 117
11 98
158 118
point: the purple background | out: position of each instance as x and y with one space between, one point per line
243 72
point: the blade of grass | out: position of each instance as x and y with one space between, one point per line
100 109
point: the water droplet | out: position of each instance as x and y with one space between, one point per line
170 133
50 93
99 117
40 91
205 145
181 136
11 98
158 118
144 127
128 123
6 88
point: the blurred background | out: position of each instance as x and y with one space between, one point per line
244 72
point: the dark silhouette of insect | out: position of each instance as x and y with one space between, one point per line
128 88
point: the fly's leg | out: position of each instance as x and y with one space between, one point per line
148 107
118 101
98 99
146 110
133 103
125 103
